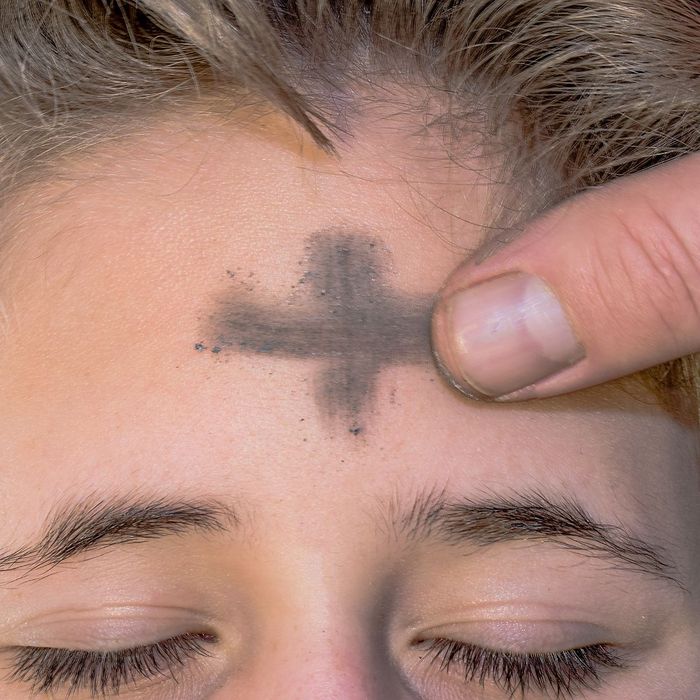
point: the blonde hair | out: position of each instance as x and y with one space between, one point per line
597 90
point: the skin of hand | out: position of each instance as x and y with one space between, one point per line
604 285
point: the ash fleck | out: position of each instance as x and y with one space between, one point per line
216 349
200 347
355 430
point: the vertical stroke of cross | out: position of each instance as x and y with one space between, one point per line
353 323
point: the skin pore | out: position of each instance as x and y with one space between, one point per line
214 516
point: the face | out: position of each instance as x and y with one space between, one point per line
230 469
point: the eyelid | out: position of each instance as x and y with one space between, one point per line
522 636
642 626
109 628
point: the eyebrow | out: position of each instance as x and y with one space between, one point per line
532 517
96 524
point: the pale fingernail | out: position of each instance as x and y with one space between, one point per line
507 333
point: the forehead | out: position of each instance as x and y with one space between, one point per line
111 376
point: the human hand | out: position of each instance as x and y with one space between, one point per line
623 261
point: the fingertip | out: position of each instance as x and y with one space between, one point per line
502 335
444 356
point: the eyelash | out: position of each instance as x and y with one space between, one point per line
558 674
104 673
562 674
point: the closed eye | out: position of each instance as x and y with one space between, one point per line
558 674
105 673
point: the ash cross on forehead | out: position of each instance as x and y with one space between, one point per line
352 323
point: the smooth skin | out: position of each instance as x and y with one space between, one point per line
321 587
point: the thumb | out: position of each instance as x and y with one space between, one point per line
604 285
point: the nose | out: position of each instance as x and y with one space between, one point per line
341 668
334 679
339 678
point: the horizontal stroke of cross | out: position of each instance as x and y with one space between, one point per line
353 323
